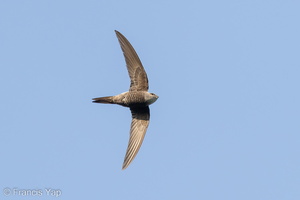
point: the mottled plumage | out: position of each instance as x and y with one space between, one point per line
137 99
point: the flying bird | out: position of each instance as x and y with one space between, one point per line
137 99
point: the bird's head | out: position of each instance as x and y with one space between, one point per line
151 98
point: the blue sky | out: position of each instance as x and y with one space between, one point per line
226 125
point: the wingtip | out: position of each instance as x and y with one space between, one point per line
125 165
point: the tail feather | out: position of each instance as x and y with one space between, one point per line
103 100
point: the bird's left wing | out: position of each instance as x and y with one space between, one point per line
139 125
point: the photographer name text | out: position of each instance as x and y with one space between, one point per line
32 192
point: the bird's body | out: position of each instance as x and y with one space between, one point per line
137 99
129 99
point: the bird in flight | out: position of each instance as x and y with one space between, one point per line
137 99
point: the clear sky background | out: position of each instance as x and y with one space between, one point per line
226 125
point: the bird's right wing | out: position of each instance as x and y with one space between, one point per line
138 76
139 125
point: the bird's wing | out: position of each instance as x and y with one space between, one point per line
139 125
138 76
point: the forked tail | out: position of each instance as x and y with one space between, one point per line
103 100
